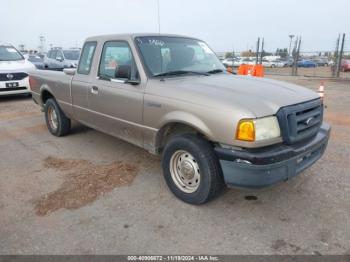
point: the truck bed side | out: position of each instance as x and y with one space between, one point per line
46 83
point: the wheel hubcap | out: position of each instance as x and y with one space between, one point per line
52 117
184 171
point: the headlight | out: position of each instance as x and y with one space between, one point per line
258 129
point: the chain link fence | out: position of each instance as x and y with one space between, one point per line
294 60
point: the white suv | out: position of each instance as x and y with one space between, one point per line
13 71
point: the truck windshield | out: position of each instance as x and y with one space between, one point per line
163 54
8 53
71 54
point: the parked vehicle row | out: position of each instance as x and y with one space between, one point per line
236 62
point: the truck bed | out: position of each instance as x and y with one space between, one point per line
55 82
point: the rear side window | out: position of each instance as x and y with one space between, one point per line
86 58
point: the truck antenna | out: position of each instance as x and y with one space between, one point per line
158 16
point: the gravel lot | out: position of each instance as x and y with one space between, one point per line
320 71
89 193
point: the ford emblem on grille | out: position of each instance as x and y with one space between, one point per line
9 76
309 121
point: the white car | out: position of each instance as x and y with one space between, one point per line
231 61
227 62
274 63
14 69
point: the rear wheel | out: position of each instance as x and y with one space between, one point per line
56 121
191 169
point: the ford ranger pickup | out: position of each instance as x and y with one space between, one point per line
171 95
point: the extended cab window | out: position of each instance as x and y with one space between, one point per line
117 61
86 58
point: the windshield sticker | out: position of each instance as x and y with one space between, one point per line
156 42
205 48
11 50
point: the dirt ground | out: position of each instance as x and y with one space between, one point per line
90 193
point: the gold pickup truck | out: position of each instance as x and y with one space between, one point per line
171 96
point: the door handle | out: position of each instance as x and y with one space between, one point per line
94 89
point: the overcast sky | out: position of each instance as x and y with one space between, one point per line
223 24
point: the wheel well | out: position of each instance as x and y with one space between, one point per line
170 130
45 95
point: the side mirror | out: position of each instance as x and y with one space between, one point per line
60 59
69 71
123 71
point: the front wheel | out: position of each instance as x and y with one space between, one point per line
191 169
56 121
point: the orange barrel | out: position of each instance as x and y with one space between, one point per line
259 70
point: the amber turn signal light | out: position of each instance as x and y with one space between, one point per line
246 130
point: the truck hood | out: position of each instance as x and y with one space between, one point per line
15 66
260 96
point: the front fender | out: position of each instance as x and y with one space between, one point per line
188 119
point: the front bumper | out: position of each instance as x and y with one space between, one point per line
257 168
23 87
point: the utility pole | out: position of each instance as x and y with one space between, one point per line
262 50
158 8
335 66
290 43
296 56
257 51
340 55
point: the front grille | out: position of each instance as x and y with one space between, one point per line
12 89
13 76
300 121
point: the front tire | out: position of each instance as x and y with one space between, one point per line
56 121
191 169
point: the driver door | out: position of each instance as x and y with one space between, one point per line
115 105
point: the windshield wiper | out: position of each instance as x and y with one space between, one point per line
215 71
181 72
